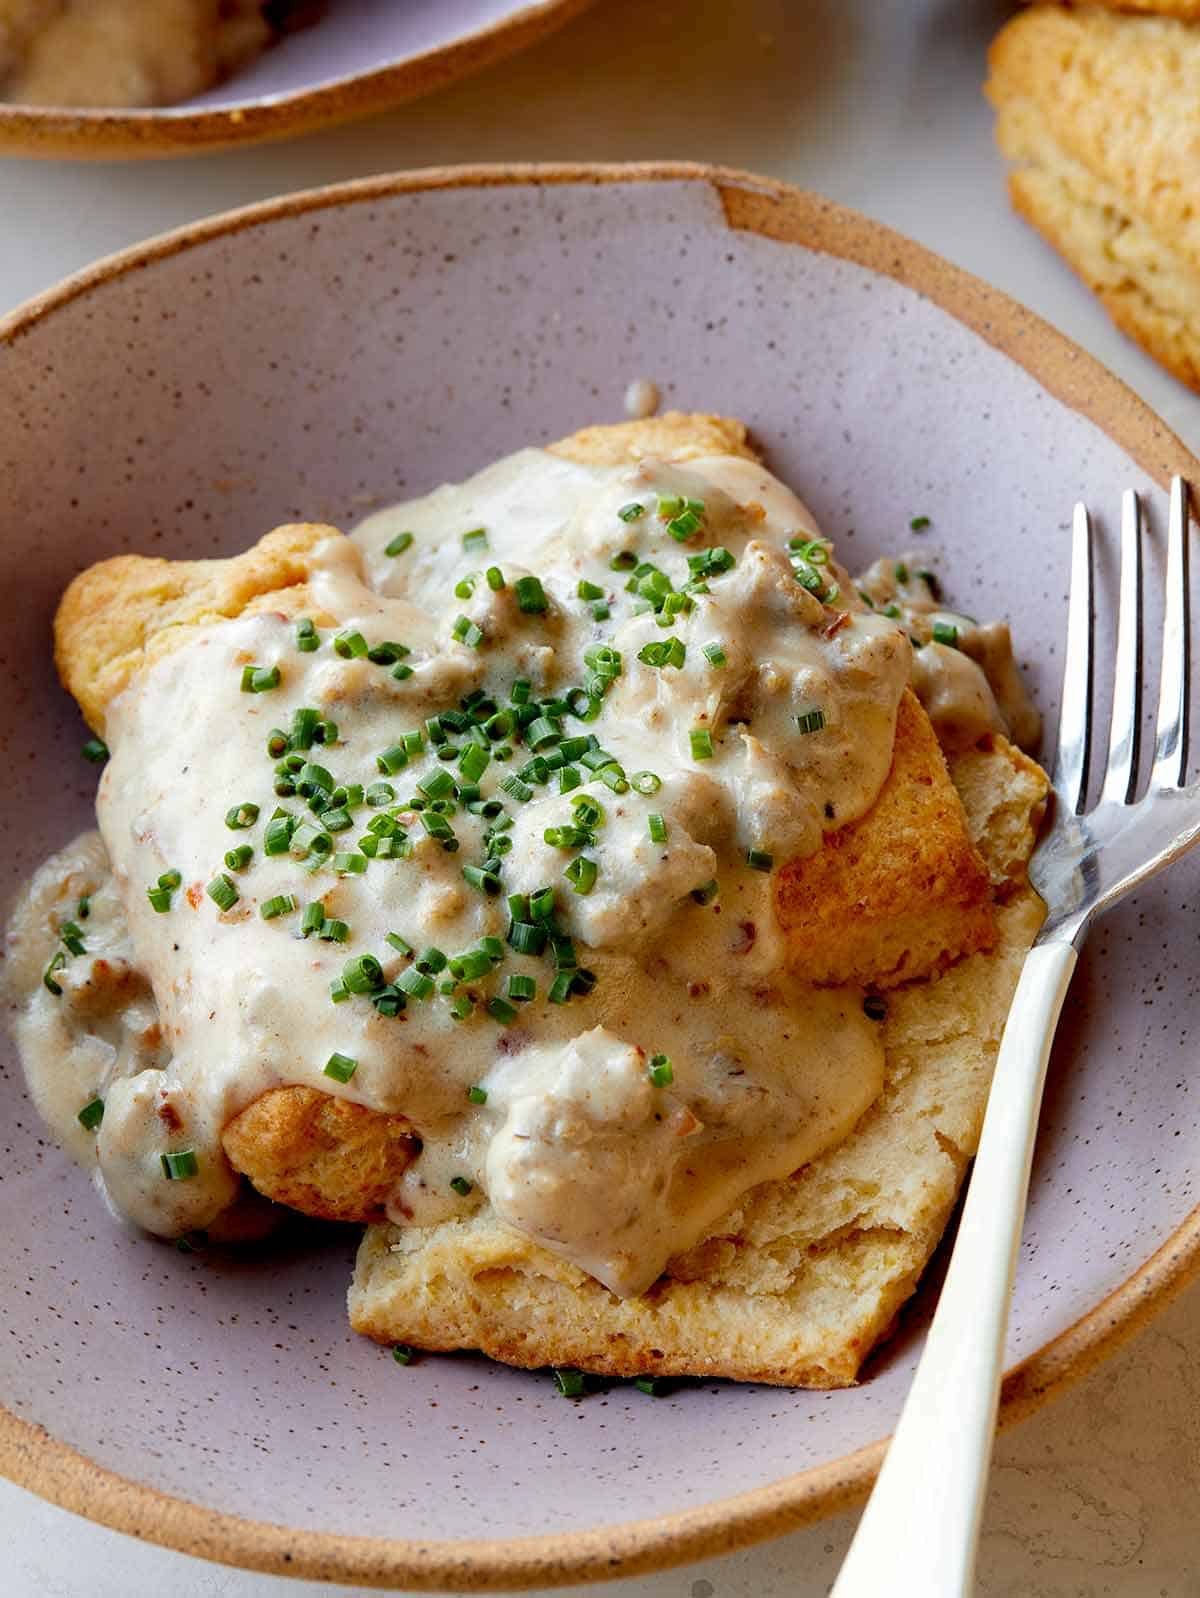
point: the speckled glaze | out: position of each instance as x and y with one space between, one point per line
364 56
319 354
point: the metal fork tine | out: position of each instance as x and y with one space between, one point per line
1171 737
1125 732
1072 756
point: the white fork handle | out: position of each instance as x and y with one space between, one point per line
920 1529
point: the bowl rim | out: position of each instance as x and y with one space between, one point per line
101 134
32 1458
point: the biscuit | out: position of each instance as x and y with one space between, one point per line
802 1277
1098 111
896 895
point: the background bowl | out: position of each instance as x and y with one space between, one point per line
308 358
362 57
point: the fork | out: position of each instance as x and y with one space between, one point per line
920 1530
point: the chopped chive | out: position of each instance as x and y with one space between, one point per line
438 785
601 610
461 1186
222 891
760 859
901 571
701 743
486 881
919 523
500 1010
477 1095
415 983
541 904
463 1007
581 874
95 750
492 947
707 891
715 655
645 782
811 720
513 785
392 760
571 1383
278 837
399 544
259 679
495 578
474 539
350 645
72 938
466 632
521 987
664 652
169 879
632 512
560 988
239 817
890 611
945 632
652 1386
178 1167
57 960
305 722
160 899
473 762
661 1072
281 904
338 991
84 908
334 931
588 812
531 596
399 943
387 653
238 859
313 918
624 561
349 864
379 793
401 1352
465 587
341 1067
91 1115
362 974
587 590
657 828
527 937
307 639
431 961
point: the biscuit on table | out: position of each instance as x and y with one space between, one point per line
1098 110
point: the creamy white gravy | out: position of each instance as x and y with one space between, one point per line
964 671
577 1132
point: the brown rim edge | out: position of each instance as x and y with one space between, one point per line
48 133
33 1459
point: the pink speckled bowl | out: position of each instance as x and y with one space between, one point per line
362 56
300 359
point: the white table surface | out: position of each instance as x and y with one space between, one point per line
876 103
